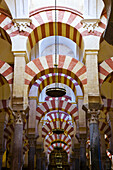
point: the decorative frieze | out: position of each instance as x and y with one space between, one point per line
21 24
90 24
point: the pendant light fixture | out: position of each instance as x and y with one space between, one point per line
56 91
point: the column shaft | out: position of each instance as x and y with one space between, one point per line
18 143
82 155
31 155
38 163
94 144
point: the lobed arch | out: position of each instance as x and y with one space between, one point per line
53 122
48 106
45 65
105 68
60 138
53 78
51 147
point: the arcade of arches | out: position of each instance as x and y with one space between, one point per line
43 46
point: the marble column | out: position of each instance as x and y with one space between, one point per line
75 158
39 161
43 161
82 159
94 142
18 141
31 153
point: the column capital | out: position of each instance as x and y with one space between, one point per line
39 148
82 142
32 140
19 116
93 118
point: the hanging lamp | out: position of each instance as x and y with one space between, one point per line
56 91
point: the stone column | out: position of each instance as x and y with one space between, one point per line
82 159
43 161
31 153
94 141
75 157
39 151
18 141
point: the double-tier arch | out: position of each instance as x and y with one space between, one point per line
48 79
51 147
50 139
48 106
57 120
45 65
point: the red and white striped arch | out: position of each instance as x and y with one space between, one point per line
105 128
105 68
48 106
43 25
69 25
51 147
45 65
49 126
52 138
45 80
53 116
7 72
107 105
54 119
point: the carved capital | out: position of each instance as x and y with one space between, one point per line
19 117
93 118
22 23
90 24
32 140
82 142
